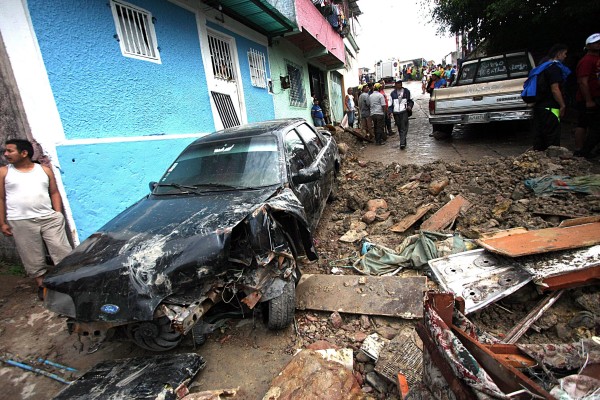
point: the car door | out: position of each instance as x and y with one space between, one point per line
323 160
299 157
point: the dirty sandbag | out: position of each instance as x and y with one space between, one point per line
548 185
414 252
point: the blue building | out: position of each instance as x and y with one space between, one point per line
114 90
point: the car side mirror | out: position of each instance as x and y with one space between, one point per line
152 185
306 175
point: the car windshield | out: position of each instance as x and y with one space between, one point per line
224 165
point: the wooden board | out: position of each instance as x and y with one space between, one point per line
356 294
357 133
410 219
544 240
446 215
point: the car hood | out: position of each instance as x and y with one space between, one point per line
156 246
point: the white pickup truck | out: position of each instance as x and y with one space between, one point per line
486 89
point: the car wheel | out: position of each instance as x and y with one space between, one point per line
281 309
156 335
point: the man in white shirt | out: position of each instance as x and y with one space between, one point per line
401 108
31 210
378 112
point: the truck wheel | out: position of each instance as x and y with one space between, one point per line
281 309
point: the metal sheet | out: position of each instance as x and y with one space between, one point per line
563 269
480 277
370 295
135 378
544 240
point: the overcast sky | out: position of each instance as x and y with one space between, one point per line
398 29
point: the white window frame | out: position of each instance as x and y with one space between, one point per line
137 41
258 68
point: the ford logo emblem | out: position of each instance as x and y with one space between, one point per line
109 309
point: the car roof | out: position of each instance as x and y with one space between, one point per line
272 127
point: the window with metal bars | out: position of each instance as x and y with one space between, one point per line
258 68
297 96
135 31
220 57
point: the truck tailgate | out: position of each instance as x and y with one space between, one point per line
479 97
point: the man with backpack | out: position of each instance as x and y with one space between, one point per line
401 108
549 101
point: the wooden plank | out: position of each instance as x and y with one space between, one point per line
525 323
579 221
410 219
544 240
511 354
498 234
356 294
358 134
446 215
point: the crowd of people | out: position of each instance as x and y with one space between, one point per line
551 104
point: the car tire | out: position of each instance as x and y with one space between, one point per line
281 309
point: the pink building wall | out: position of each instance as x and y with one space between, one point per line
311 20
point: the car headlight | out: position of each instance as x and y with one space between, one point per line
60 303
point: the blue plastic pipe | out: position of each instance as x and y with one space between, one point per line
37 371
57 365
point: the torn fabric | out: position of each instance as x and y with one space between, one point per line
548 185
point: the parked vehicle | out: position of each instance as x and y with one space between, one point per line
225 223
487 89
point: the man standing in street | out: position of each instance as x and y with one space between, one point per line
588 96
31 210
549 104
378 111
364 108
349 107
317 114
401 106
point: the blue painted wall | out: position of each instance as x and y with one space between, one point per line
100 93
259 103
98 190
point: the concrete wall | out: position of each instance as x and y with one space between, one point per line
124 119
310 19
281 51
100 93
258 101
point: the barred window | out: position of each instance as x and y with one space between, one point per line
135 31
297 96
258 68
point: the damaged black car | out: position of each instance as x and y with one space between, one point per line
226 223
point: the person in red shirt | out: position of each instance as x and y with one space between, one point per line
588 97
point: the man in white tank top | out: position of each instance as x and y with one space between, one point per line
31 210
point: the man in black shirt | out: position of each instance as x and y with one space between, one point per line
550 104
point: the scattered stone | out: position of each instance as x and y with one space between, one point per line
376 382
362 163
387 332
322 345
361 357
364 322
343 148
436 187
547 321
369 217
375 204
563 331
336 320
359 337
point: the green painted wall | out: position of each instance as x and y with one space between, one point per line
279 52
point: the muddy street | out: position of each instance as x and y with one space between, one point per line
487 166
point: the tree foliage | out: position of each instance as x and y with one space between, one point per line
505 25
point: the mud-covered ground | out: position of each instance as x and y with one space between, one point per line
244 354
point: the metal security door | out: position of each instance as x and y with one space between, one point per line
337 97
224 89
